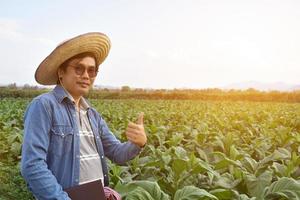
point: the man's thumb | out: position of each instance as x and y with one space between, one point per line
140 119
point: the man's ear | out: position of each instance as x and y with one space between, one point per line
60 72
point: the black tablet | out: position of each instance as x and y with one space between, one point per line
91 191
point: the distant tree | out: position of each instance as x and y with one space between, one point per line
139 90
12 86
26 86
125 88
251 90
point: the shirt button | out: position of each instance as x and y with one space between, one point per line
98 137
102 157
105 175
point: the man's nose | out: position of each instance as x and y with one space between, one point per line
85 74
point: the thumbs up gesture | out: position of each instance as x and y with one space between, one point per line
135 131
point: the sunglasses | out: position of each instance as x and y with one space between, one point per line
80 70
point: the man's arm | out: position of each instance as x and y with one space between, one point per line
34 169
116 151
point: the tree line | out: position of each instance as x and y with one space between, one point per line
126 92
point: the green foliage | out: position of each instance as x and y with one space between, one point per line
143 190
12 185
195 150
284 188
193 193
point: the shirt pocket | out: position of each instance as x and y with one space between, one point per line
61 139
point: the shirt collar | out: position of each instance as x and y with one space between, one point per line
60 93
84 103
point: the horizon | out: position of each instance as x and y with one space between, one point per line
259 86
168 44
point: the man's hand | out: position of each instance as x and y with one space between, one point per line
135 131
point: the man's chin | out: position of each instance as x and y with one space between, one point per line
83 91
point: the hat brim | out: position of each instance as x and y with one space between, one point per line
95 43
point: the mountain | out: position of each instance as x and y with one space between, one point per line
280 86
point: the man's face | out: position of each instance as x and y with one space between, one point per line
77 77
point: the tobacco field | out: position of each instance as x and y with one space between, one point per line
196 150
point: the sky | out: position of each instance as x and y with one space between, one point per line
159 43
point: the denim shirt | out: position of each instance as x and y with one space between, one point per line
51 145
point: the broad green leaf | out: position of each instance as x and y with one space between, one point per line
245 197
227 181
250 164
15 148
234 153
278 154
279 169
139 194
193 193
201 167
178 166
144 160
202 154
284 188
223 194
256 185
180 152
222 161
166 159
225 163
146 188
175 140
228 141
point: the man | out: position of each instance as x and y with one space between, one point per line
65 139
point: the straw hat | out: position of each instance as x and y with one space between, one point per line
96 43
